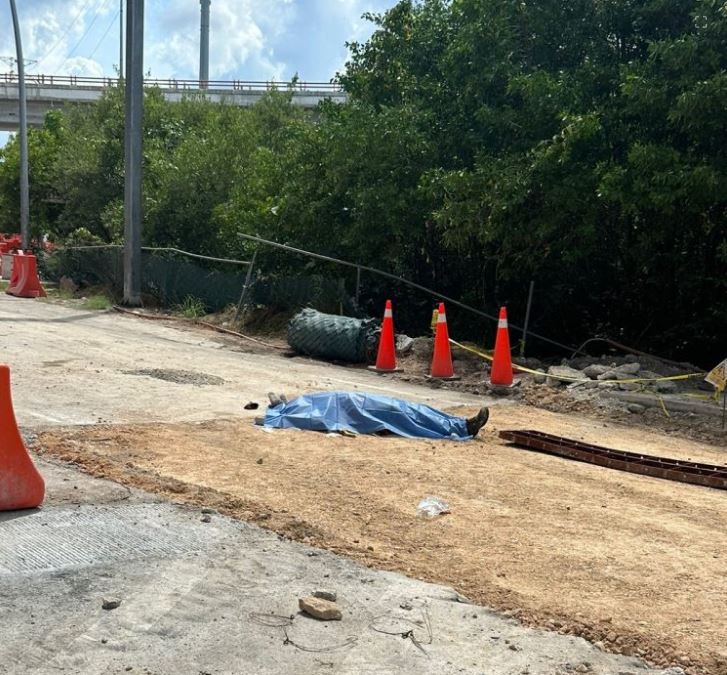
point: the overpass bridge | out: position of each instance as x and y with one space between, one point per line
48 92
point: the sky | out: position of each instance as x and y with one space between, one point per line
249 39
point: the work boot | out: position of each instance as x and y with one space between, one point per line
475 423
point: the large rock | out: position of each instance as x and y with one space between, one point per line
666 386
629 368
596 369
325 610
629 386
627 371
565 372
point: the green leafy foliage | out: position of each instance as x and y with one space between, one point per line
191 308
485 144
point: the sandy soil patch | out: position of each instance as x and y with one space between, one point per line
637 563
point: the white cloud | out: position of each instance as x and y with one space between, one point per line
58 34
250 39
78 65
242 39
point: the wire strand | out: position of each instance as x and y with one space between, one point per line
65 34
101 6
103 37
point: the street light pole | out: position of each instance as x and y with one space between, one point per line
24 184
204 44
121 39
132 150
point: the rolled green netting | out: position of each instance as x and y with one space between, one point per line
338 338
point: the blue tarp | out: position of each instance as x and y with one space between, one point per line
365 414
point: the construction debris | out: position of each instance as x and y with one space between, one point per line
325 595
110 603
321 609
707 475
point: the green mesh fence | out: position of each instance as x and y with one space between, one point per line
170 279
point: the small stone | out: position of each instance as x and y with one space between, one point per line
600 645
110 603
104 641
635 408
320 609
582 668
406 606
540 377
513 648
208 511
325 595
259 461
67 284
206 519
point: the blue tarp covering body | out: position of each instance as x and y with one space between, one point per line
365 414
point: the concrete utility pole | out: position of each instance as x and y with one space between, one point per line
24 184
121 38
133 150
204 44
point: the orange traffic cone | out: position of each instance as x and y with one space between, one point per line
21 486
442 359
386 357
501 373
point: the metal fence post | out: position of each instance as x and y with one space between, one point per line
527 319
245 290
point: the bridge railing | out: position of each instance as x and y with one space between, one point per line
172 84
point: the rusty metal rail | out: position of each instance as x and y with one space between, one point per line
708 475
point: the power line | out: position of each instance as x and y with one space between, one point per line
106 32
86 32
65 34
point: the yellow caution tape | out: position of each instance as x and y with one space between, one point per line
567 378
663 407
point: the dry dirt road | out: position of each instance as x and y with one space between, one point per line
71 366
634 563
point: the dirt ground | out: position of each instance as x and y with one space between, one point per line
637 564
